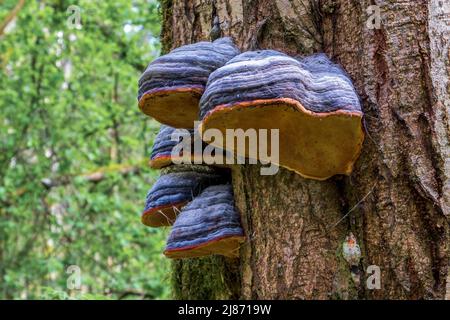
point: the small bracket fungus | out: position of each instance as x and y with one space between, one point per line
183 146
208 225
161 155
311 101
171 86
176 186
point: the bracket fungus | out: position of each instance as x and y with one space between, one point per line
183 146
208 225
171 86
161 155
176 186
311 101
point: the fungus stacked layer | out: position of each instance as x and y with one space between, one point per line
311 101
166 140
175 188
171 86
208 225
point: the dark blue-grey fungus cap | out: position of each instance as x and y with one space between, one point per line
163 145
210 224
174 189
171 86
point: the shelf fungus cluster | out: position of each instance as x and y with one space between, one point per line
171 86
195 198
310 101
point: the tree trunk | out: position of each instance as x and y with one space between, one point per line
396 202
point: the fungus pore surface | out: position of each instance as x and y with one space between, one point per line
208 225
311 101
171 86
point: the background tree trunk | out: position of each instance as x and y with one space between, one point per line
396 202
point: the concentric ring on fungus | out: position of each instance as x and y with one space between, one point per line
312 102
176 186
208 225
171 86
163 145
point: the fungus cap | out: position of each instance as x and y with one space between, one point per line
171 86
176 186
162 152
311 101
163 145
208 225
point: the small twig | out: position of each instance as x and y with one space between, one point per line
367 131
165 216
10 17
355 206
247 241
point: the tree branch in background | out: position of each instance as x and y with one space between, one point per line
10 17
95 176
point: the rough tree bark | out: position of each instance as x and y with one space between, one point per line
396 202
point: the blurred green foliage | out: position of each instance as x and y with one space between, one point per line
73 174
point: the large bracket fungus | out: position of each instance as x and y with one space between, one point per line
176 186
171 86
311 101
208 225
